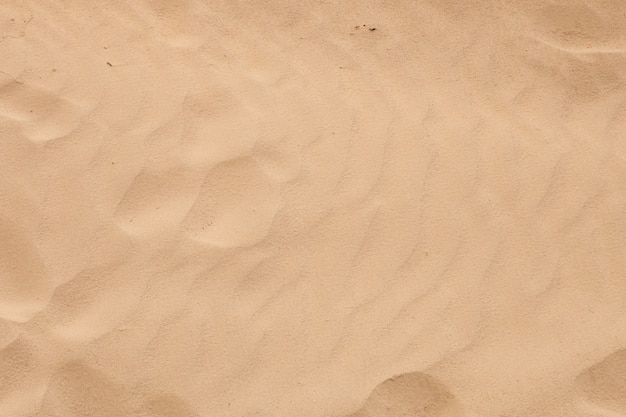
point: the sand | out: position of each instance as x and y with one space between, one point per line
312 208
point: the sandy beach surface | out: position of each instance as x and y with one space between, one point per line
312 208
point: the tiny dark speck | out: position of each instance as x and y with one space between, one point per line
372 29
109 64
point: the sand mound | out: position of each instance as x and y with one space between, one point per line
414 394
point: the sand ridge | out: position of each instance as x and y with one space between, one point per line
275 208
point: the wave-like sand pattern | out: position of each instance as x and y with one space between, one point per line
268 208
582 28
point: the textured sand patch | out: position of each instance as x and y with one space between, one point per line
275 208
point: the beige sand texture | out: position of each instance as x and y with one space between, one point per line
312 208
